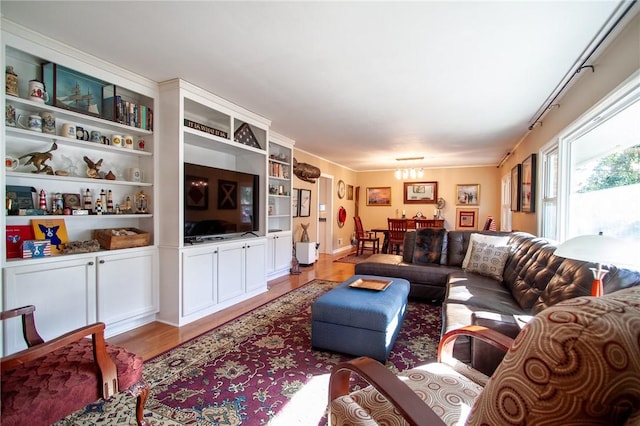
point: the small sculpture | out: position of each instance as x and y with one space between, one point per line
305 234
306 172
38 160
93 169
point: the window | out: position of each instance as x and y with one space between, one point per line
505 208
591 174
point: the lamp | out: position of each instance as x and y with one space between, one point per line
409 172
599 249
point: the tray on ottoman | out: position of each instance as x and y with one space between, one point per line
360 322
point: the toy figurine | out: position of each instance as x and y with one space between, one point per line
38 160
93 169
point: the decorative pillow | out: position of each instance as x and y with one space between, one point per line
494 240
488 260
428 247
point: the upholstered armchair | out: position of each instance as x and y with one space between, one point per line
50 380
575 363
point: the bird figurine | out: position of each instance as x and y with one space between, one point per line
38 160
93 169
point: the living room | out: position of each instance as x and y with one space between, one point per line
614 67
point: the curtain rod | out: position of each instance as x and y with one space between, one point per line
557 92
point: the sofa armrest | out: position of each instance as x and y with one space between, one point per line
486 358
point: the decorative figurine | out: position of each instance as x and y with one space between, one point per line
305 234
42 203
93 169
141 202
11 82
38 160
87 200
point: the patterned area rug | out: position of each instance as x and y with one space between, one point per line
255 370
354 258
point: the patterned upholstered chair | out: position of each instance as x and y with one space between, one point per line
50 380
575 363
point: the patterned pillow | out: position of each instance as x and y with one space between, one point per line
428 246
488 260
496 240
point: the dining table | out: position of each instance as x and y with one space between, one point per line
411 224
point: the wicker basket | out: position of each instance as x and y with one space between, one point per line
109 241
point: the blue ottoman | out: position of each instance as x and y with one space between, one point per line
358 321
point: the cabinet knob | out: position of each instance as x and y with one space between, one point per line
90 263
102 261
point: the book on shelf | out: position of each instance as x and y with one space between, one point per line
129 113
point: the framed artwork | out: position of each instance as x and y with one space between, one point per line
341 189
516 176
466 219
71 201
349 192
53 230
227 195
528 185
305 202
196 192
379 196
420 192
468 194
295 206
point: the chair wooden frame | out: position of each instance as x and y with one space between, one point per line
37 347
363 237
397 231
408 403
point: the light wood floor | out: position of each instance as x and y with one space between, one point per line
155 338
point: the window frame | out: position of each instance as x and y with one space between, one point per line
619 99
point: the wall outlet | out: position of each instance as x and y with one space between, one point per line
339 241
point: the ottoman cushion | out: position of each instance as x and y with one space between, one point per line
358 321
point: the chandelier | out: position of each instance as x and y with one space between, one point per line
409 172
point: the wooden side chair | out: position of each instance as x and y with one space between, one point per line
364 237
397 231
50 380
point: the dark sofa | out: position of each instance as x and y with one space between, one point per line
532 279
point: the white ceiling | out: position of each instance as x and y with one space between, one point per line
357 83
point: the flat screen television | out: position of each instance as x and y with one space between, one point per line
218 202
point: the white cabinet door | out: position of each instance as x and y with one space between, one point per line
198 279
63 292
126 285
256 259
283 251
231 263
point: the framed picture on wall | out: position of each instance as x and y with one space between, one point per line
466 219
516 181
349 192
305 202
468 194
528 186
295 205
379 196
420 192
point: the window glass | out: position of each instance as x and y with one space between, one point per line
550 193
604 177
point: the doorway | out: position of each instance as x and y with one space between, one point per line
325 214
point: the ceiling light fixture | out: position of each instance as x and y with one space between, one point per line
409 172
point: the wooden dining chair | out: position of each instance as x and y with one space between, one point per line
365 237
397 231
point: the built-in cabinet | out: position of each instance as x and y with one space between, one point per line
197 279
279 214
118 287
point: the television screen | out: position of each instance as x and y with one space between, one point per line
219 201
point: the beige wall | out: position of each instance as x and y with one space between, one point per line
337 172
447 178
618 61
